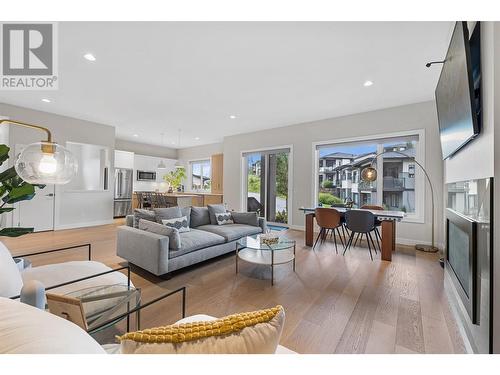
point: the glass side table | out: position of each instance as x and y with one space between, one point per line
107 304
250 249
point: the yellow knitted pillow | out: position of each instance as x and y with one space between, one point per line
237 333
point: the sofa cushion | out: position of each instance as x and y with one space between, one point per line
10 277
186 211
143 214
174 240
58 273
231 232
167 213
25 329
199 216
214 209
195 240
248 218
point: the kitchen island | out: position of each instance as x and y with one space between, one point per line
163 199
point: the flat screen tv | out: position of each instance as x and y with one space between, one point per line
457 91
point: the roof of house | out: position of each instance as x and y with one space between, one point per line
338 155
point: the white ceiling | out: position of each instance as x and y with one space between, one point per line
158 77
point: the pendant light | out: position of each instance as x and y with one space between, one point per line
161 164
177 164
44 162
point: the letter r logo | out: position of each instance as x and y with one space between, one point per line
27 49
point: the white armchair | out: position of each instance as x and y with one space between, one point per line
60 278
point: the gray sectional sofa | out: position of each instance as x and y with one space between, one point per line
159 250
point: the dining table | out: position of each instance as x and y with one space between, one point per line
387 218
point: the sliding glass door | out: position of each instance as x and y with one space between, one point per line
267 184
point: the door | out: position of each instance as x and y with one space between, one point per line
37 212
267 185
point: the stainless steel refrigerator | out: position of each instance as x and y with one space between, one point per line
123 192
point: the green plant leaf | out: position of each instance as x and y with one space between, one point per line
8 174
6 209
15 232
4 153
20 193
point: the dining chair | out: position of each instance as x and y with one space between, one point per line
329 219
378 223
361 223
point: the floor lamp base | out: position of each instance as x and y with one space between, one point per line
426 248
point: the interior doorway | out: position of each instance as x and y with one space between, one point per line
267 185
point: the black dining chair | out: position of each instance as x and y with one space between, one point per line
362 223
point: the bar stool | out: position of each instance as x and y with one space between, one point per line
328 219
361 223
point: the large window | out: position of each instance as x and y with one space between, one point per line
399 180
200 175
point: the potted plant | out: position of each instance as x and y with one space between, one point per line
174 179
13 189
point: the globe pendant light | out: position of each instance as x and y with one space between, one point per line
44 162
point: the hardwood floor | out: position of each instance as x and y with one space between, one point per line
333 303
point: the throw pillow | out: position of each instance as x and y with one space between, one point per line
174 240
224 218
143 214
214 209
179 223
248 218
199 216
186 211
256 332
11 282
167 213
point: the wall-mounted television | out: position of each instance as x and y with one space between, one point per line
458 91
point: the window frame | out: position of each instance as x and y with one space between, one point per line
190 175
420 183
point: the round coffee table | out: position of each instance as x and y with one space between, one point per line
251 250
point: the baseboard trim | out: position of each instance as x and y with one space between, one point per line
399 240
83 225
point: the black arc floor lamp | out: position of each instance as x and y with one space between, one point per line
369 174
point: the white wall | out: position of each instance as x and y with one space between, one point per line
494 43
72 209
301 137
145 149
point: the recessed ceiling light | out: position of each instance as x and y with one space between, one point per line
136 135
46 100
197 138
232 117
89 56
368 83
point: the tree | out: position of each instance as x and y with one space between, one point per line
282 175
13 189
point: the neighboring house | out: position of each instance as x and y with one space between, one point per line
344 171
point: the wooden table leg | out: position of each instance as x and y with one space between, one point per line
388 239
310 229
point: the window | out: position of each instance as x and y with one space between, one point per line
398 180
200 175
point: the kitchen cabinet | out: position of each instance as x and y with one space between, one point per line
217 180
